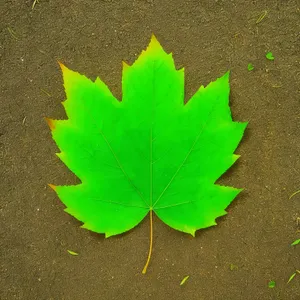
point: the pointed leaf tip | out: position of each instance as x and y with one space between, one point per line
192 233
108 234
52 186
125 65
51 123
154 43
226 75
62 66
153 37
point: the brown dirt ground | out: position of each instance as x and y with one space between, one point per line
208 38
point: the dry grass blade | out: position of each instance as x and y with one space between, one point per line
297 192
261 17
12 33
45 92
34 3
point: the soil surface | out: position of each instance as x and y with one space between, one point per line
234 260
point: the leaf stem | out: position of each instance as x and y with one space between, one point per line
151 243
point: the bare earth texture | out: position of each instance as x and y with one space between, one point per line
207 38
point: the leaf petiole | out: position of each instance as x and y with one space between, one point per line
151 243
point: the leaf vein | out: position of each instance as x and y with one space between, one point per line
176 204
118 203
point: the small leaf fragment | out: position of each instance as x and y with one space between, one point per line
296 242
183 281
233 267
72 253
270 56
272 284
292 277
250 67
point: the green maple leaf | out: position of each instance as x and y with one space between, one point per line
148 152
